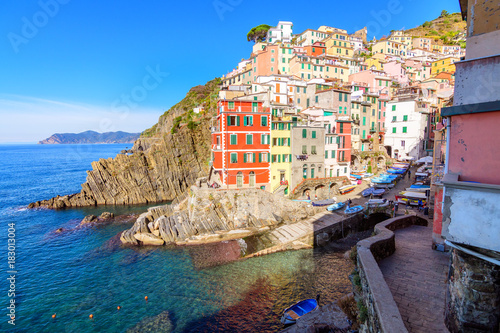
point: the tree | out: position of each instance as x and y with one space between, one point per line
444 13
258 33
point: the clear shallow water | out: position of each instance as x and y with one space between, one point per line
85 270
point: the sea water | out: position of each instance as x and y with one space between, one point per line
85 270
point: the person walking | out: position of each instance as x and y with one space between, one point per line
419 205
396 206
409 173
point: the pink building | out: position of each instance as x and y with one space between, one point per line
396 70
375 79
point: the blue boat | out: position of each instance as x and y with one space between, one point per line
373 191
353 210
356 176
396 171
291 314
335 206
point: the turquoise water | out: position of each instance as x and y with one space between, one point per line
85 271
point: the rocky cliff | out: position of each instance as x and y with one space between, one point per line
162 164
91 137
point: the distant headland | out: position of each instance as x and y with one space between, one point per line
91 137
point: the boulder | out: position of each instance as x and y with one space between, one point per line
89 219
106 216
149 239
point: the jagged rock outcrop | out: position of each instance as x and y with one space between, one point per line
165 161
213 215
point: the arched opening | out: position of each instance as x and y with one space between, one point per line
306 193
251 179
304 171
239 179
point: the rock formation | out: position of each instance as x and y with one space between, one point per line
165 160
208 215
91 137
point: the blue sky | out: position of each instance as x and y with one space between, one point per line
74 65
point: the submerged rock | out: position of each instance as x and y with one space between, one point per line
106 216
159 323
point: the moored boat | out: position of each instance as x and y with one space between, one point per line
377 203
373 191
294 312
323 202
346 189
353 210
335 206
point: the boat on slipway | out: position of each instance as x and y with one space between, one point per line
325 202
335 206
347 188
353 210
294 312
376 192
377 203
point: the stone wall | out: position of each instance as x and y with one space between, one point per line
473 295
382 312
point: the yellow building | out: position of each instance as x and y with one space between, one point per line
400 37
446 64
309 67
338 44
374 62
390 48
281 150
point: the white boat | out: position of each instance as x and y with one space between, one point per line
377 203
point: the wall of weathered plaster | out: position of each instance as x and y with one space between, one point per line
481 45
471 155
477 81
472 217
383 313
437 223
473 295
483 16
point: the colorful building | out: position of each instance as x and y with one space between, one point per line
241 144
446 64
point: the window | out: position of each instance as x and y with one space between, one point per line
345 97
255 106
332 154
313 134
326 153
249 139
404 129
364 121
402 143
248 121
373 112
234 157
340 97
233 121
231 105
304 133
394 108
304 149
263 121
263 157
264 139
394 130
316 99
341 127
298 89
405 118
394 118
304 90
233 139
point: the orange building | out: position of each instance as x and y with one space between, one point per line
240 144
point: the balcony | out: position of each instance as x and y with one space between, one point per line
216 147
302 157
214 129
373 130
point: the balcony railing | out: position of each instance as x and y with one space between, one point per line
214 129
302 157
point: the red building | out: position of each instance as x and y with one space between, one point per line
343 129
240 144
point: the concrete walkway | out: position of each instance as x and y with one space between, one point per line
416 275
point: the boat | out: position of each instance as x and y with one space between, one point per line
396 171
353 210
323 202
377 203
353 175
347 188
302 200
373 191
294 312
384 186
335 206
411 198
420 188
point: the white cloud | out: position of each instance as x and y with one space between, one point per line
31 119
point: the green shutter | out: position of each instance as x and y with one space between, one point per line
279 158
254 157
237 120
304 133
314 134
260 158
245 121
244 157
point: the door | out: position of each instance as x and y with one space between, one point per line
239 179
251 179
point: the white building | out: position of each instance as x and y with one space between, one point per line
283 32
406 122
356 43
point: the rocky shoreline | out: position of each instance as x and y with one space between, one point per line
208 215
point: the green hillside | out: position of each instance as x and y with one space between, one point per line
449 28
